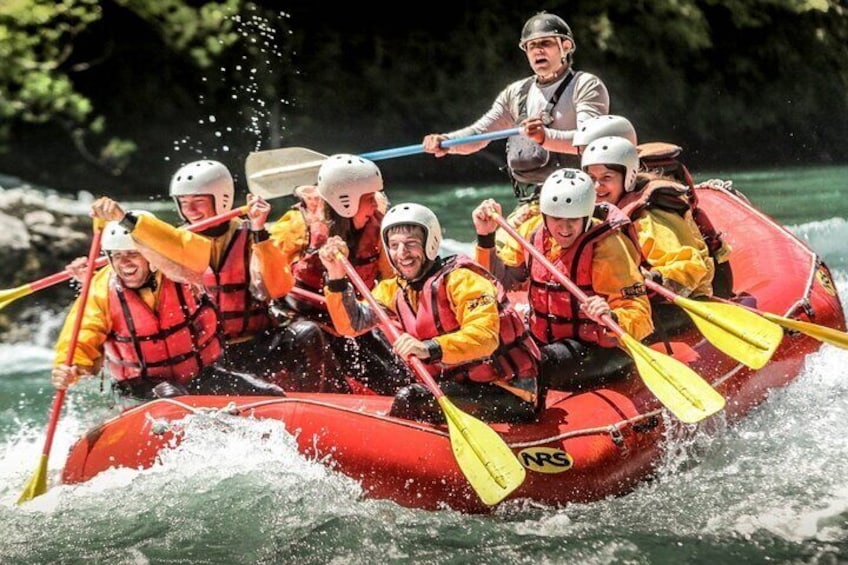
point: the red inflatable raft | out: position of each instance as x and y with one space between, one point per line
587 445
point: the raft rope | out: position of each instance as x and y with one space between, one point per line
613 430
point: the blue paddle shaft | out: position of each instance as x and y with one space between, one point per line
419 148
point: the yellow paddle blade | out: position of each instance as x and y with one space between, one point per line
747 337
12 294
486 460
821 333
37 485
689 397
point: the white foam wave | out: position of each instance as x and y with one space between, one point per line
453 247
21 357
216 448
827 238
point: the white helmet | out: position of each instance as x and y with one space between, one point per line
343 179
204 177
117 238
604 126
613 151
416 215
567 193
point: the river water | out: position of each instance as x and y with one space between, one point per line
771 489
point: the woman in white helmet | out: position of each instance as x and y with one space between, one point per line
587 244
153 336
348 186
454 318
674 251
550 106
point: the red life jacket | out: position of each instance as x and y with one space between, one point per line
555 312
365 248
175 342
517 354
241 314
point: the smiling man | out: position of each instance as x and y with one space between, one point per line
454 317
591 245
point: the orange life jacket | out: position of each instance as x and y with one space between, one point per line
555 312
241 314
365 248
175 342
517 354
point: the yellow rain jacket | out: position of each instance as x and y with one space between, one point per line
290 235
522 213
473 301
197 252
673 247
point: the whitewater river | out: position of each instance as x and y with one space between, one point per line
771 489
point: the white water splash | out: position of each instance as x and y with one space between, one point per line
21 357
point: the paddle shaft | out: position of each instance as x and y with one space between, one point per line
749 308
557 274
307 295
59 399
316 159
388 326
419 148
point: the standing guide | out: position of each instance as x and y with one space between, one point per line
551 106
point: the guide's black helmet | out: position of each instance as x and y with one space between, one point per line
544 24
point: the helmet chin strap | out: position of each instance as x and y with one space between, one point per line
554 76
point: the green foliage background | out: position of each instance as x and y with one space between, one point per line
114 95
